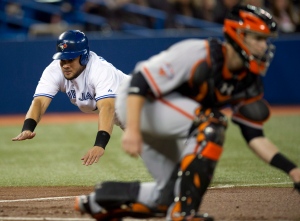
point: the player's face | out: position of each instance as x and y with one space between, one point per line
71 68
257 44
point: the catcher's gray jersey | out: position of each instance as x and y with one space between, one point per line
160 151
169 116
170 68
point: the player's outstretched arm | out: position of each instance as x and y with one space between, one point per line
106 118
37 108
268 152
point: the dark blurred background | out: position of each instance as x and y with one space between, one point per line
124 32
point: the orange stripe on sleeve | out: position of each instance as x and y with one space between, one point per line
151 80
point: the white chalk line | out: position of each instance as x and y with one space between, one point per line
38 199
72 197
44 219
248 185
87 219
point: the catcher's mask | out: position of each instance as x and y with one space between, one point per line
250 19
70 45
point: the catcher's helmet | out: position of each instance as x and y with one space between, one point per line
242 20
72 44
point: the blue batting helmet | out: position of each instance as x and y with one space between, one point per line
72 44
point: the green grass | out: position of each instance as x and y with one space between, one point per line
52 158
240 166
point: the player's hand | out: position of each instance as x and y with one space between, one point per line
26 134
92 156
132 142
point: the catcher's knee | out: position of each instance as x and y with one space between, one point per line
209 125
209 129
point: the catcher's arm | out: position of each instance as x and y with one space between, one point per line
37 108
250 118
132 137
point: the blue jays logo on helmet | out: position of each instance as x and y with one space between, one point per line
62 46
72 44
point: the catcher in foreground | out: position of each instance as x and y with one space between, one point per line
170 108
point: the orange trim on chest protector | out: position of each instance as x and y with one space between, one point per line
212 151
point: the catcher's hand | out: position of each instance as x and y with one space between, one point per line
26 134
132 142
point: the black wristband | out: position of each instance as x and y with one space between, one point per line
102 139
29 124
281 162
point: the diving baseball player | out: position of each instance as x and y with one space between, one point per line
90 83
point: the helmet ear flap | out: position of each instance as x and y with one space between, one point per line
84 58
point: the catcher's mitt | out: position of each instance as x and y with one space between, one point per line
297 186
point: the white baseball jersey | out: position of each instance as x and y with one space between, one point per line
99 80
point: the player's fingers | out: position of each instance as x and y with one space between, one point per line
131 152
32 135
93 160
84 158
19 137
24 135
97 159
135 155
90 160
86 163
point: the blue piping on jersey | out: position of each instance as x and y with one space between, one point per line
105 96
45 95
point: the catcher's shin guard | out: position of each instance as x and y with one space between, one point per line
197 168
194 178
117 200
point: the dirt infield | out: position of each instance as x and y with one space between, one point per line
241 203
236 203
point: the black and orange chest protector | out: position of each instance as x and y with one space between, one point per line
214 86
